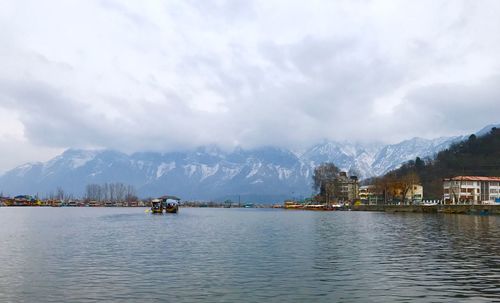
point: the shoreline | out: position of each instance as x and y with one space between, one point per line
479 209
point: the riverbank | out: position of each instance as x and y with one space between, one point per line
448 209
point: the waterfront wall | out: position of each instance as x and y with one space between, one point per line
449 209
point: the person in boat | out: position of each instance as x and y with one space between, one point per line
156 206
171 204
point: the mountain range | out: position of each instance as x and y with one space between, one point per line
208 173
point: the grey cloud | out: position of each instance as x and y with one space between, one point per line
452 108
49 117
147 90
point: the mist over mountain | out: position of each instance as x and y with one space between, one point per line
208 173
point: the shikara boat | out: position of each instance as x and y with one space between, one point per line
156 206
170 203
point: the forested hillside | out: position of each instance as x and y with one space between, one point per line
479 156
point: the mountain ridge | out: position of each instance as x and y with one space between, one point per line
209 173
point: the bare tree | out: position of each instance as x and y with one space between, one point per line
105 192
60 194
385 186
120 191
130 194
93 192
323 174
406 182
113 192
324 178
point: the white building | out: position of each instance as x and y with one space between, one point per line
368 195
471 190
415 194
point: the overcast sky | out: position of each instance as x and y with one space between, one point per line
166 75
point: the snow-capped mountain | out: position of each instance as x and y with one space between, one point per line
391 156
206 173
345 155
265 174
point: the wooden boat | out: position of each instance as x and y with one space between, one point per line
172 207
156 206
170 203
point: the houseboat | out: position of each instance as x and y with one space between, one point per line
56 203
94 203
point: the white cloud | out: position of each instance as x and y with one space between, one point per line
164 75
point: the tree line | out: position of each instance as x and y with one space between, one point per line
476 156
113 192
395 186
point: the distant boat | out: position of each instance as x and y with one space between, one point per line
172 207
292 205
156 206
56 203
170 203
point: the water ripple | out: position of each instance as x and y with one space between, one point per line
229 255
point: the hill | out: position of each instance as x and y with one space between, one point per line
479 155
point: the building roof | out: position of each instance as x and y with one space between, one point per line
169 197
473 178
367 186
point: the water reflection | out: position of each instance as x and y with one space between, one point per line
228 255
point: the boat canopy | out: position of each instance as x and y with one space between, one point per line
169 198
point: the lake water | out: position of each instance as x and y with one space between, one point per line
246 255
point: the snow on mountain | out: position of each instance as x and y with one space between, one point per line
210 173
393 155
345 155
485 130
22 170
163 168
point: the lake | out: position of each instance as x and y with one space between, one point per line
246 255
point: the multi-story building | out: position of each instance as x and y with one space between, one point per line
415 194
368 194
471 190
346 188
